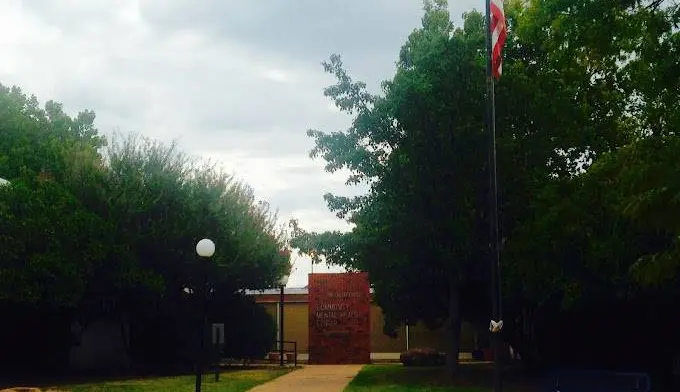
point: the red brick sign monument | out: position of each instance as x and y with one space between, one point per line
339 318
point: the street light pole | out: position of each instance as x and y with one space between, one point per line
201 336
281 328
205 248
283 283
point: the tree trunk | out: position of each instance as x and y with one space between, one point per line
125 337
454 327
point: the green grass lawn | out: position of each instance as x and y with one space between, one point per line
397 378
230 381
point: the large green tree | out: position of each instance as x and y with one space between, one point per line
420 145
595 247
91 231
566 99
52 243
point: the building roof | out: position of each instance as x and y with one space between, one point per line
286 291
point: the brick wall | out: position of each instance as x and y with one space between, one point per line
339 318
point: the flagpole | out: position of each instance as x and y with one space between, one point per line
494 256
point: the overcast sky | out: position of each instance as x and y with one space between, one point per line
238 81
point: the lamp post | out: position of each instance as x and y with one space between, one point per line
283 282
205 248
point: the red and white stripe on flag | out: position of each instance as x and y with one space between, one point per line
498 35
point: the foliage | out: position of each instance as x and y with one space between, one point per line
253 336
390 145
420 232
586 125
37 140
51 243
620 96
599 242
165 202
93 229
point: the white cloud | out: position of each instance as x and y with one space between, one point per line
277 75
302 266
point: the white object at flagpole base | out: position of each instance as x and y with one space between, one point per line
205 248
495 326
284 280
4 182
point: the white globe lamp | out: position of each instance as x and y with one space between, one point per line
205 248
284 280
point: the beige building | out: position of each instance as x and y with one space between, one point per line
296 313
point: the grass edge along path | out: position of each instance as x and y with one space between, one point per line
397 378
230 381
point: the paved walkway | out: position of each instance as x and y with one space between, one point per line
312 378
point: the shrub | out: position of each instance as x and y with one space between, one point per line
250 332
422 357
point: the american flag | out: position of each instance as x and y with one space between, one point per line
498 34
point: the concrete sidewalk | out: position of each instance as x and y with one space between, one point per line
329 378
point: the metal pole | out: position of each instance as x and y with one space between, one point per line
201 336
494 256
218 334
407 341
281 328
